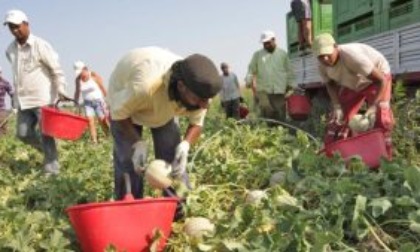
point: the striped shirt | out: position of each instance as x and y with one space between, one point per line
5 88
138 89
230 89
37 74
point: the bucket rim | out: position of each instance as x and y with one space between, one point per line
119 203
355 137
58 112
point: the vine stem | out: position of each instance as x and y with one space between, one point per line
376 235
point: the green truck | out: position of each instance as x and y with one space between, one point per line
390 26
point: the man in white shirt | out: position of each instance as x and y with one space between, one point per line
355 75
38 79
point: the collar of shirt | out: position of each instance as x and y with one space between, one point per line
29 42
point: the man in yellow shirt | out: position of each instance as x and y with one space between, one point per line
270 74
355 74
149 87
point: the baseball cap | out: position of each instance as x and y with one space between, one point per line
15 17
78 67
200 75
324 44
267 36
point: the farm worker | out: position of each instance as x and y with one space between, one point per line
269 75
301 10
355 74
230 93
148 88
39 81
90 85
5 88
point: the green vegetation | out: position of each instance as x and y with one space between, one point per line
320 205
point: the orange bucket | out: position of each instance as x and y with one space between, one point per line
370 146
298 107
62 125
128 225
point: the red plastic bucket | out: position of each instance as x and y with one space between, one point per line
62 125
370 146
298 106
128 225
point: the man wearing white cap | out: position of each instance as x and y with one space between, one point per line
38 79
355 74
270 74
5 88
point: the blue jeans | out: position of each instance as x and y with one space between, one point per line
95 107
165 140
28 131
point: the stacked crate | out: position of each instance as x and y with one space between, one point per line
398 13
356 19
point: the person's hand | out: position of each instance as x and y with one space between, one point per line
179 165
139 156
14 111
338 115
63 97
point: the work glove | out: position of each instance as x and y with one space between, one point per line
179 165
139 156
338 115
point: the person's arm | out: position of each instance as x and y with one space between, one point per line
50 59
98 79
379 77
238 86
332 89
193 133
77 90
11 93
250 78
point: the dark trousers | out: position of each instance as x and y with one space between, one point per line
165 140
231 108
28 127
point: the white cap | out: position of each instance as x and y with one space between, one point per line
15 17
78 67
267 36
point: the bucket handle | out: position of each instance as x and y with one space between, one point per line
76 104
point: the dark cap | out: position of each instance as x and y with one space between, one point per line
201 76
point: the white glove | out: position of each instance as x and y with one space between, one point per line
338 115
179 165
139 156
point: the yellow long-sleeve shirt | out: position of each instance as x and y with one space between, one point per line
138 89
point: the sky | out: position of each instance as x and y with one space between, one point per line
100 32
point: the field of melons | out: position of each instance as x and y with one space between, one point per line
312 203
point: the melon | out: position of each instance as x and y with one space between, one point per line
198 226
158 174
255 196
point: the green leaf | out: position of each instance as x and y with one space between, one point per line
380 206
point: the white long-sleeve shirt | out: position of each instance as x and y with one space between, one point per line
37 74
